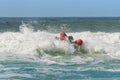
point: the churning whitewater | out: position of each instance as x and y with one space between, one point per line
29 50
28 42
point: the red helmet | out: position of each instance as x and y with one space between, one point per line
79 42
62 35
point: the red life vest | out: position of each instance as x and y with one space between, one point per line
79 42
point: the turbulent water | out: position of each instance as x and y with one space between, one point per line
29 51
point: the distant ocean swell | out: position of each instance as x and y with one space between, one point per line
54 24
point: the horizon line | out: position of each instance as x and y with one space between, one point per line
59 17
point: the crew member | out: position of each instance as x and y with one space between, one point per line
63 35
79 42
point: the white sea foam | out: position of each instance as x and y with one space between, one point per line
27 41
9 75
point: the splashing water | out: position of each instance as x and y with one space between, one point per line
27 41
37 52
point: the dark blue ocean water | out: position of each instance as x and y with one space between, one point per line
28 50
73 24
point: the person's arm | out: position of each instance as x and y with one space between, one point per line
66 35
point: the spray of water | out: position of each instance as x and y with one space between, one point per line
32 43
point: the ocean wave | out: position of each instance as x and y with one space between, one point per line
31 43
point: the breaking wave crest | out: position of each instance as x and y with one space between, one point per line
38 43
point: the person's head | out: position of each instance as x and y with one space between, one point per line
79 42
70 38
62 35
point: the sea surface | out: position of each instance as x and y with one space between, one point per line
29 50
